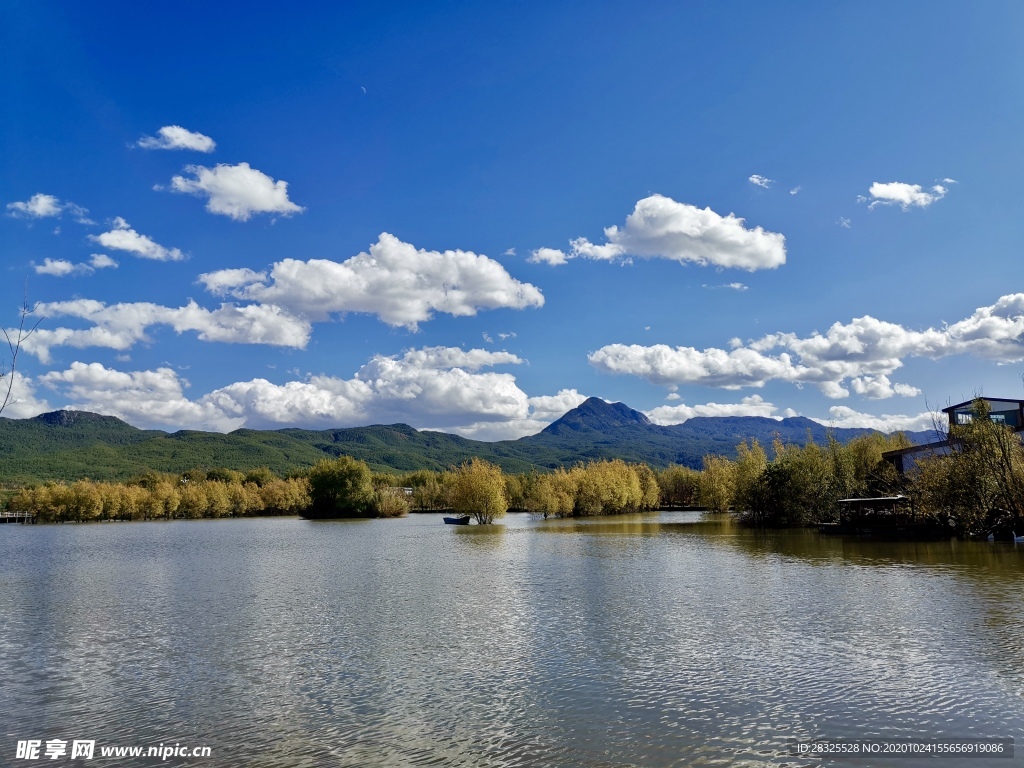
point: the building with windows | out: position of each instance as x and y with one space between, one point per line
1000 410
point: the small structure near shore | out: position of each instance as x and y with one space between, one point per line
17 517
891 517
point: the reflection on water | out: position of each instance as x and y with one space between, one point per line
647 640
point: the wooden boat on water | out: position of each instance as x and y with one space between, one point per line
464 520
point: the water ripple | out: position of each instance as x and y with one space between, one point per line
652 640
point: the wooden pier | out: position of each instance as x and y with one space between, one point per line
883 517
17 517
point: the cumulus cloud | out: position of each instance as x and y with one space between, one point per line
879 387
661 228
754 405
102 261
438 358
842 417
24 404
41 206
60 268
860 354
430 388
225 281
38 206
399 283
551 256
176 137
147 399
120 326
63 267
237 191
906 196
760 181
123 238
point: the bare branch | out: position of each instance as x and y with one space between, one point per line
15 341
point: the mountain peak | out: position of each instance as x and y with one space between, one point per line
598 415
74 418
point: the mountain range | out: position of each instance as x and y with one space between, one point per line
68 445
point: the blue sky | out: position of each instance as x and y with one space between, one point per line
471 216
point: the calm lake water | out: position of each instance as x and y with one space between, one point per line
654 640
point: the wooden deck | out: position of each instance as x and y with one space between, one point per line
17 517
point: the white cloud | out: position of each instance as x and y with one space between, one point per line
662 228
120 326
237 191
41 206
844 222
62 267
677 414
431 388
102 261
551 256
146 399
761 181
844 417
548 408
123 238
795 190
399 283
542 410
905 195
38 206
730 286
225 281
437 358
862 353
176 137
880 388
23 403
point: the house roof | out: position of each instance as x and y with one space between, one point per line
915 449
1018 403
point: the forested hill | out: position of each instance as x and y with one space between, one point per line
68 445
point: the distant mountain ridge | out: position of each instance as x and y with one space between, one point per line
68 445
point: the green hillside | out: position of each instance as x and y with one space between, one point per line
69 445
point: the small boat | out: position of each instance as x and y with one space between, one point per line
464 520
1017 539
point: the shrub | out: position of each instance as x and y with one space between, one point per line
341 487
390 502
478 489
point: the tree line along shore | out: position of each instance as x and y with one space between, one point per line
975 487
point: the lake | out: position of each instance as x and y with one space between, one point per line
647 640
